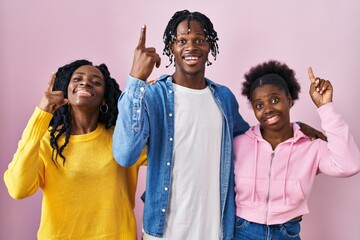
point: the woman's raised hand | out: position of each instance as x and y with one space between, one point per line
52 100
321 90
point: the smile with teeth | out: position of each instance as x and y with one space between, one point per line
191 58
272 119
83 93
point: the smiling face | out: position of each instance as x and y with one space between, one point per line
271 107
190 49
86 88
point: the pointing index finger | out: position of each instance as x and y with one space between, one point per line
311 75
142 39
51 82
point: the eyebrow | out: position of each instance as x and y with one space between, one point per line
187 33
269 95
93 75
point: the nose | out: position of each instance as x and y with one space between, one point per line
191 45
268 109
86 82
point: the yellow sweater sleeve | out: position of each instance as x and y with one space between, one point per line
132 175
25 173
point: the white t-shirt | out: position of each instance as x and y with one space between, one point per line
194 209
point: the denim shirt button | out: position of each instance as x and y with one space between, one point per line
166 188
170 114
170 91
168 163
170 139
142 89
163 210
138 111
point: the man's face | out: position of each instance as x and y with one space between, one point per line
191 48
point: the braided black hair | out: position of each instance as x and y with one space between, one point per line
271 72
60 123
169 36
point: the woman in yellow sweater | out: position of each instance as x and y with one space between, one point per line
66 151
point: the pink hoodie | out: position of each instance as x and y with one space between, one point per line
272 187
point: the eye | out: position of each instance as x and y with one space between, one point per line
258 105
181 41
76 79
96 83
201 41
274 100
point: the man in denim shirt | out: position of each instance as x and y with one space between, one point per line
187 124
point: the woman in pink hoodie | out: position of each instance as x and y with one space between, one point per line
275 163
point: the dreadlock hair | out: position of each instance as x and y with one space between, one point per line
274 73
169 36
60 123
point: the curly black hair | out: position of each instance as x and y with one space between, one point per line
271 72
169 36
60 123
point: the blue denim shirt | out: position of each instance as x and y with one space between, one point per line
146 118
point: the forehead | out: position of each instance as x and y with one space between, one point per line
89 70
266 91
193 27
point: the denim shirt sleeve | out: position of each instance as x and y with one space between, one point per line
132 125
240 125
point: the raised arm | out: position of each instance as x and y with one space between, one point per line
132 124
25 173
341 156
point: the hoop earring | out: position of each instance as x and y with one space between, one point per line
104 108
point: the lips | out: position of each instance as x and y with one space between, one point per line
191 59
83 92
272 119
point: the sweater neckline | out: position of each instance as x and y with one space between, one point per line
87 136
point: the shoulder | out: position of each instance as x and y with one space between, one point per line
222 90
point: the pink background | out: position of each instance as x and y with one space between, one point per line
36 37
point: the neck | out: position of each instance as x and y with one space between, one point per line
82 123
278 136
196 81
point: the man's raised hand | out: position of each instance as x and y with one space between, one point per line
144 58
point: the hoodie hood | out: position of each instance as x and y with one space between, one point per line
255 133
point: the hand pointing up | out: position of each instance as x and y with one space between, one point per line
144 58
321 91
52 100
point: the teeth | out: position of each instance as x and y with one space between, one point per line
272 119
83 93
191 58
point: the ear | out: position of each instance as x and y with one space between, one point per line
291 103
103 101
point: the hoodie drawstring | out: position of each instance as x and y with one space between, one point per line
286 171
255 172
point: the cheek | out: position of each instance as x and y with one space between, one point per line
101 93
257 113
69 90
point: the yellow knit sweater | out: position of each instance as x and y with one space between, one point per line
90 197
